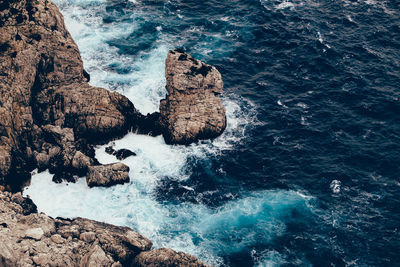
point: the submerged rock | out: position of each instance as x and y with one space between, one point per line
107 175
120 154
192 110
124 153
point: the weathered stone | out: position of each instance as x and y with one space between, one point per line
107 175
34 233
88 237
192 109
57 239
81 162
42 259
165 257
49 118
96 258
35 240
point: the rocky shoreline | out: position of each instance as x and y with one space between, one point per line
51 118
32 239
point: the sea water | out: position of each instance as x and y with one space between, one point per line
307 171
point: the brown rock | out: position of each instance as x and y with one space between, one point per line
107 175
96 258
88 237
47 107
192 109
34 233
35 240
57 239
165 257
81 162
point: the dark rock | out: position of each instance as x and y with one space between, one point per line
120 154
192 109
107 175
59 177
110 150
27 204
150 124
123 154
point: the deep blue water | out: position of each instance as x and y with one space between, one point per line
317 84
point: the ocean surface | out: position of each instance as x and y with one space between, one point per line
308 170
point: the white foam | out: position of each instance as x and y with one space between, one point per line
268 258
189 227
321 40
285 4
335 186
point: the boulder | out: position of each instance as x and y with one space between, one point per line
124 153
192 109
34 233
107 175
81 162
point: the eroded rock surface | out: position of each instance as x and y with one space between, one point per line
32 239
107 175
192 109
165 257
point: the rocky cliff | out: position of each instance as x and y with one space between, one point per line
48 111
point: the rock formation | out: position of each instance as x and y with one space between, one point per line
32 239
166 257
120 154
48 111
107 175
192 109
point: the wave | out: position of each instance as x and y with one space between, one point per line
240 224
